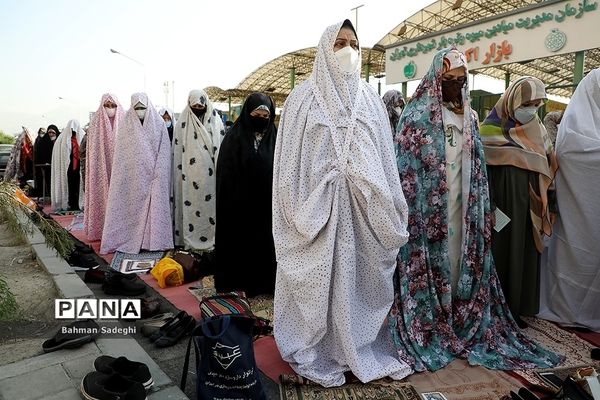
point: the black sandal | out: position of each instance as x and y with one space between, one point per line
172 335
169 323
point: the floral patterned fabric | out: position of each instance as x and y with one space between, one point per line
98 161
430 324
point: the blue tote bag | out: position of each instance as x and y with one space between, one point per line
225 364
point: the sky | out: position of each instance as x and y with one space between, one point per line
56 61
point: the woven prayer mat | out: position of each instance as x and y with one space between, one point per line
293 387
65 212
576 350
262 306
76 224
205 287
459 380
130 263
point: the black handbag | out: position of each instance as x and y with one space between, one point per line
189 264
225 363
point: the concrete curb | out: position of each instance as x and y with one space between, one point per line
67 282
57 375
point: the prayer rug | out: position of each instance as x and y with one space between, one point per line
205 287
135 263
459 380
576 350
67 212
293 387
76 224
262 306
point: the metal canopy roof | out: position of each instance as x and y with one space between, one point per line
274 77
444 14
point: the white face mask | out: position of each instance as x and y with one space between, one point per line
110 112
140 113
398 110
525 114
347 59
168 123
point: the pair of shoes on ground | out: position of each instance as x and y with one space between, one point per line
149 308
523 394
95 275
117 283
116 378
147 326
83 248
82 257
167 331
71 336
82 261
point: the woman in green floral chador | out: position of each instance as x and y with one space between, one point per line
448 301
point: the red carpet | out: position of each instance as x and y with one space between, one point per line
267 355
592 337
179 296
268 359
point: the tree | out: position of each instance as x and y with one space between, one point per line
6 139
12 207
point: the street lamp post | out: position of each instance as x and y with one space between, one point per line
356 14
166 89
135 61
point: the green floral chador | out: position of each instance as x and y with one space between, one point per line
431 324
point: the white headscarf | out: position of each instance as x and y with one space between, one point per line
163 110
585 101
339 219
195 147
138 215
61 158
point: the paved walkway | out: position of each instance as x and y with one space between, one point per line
58 375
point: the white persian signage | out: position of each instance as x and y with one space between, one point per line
537 32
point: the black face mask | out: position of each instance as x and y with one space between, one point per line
259 124
451 91
199 113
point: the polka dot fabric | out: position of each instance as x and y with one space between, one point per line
138 214
339 218
195 147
